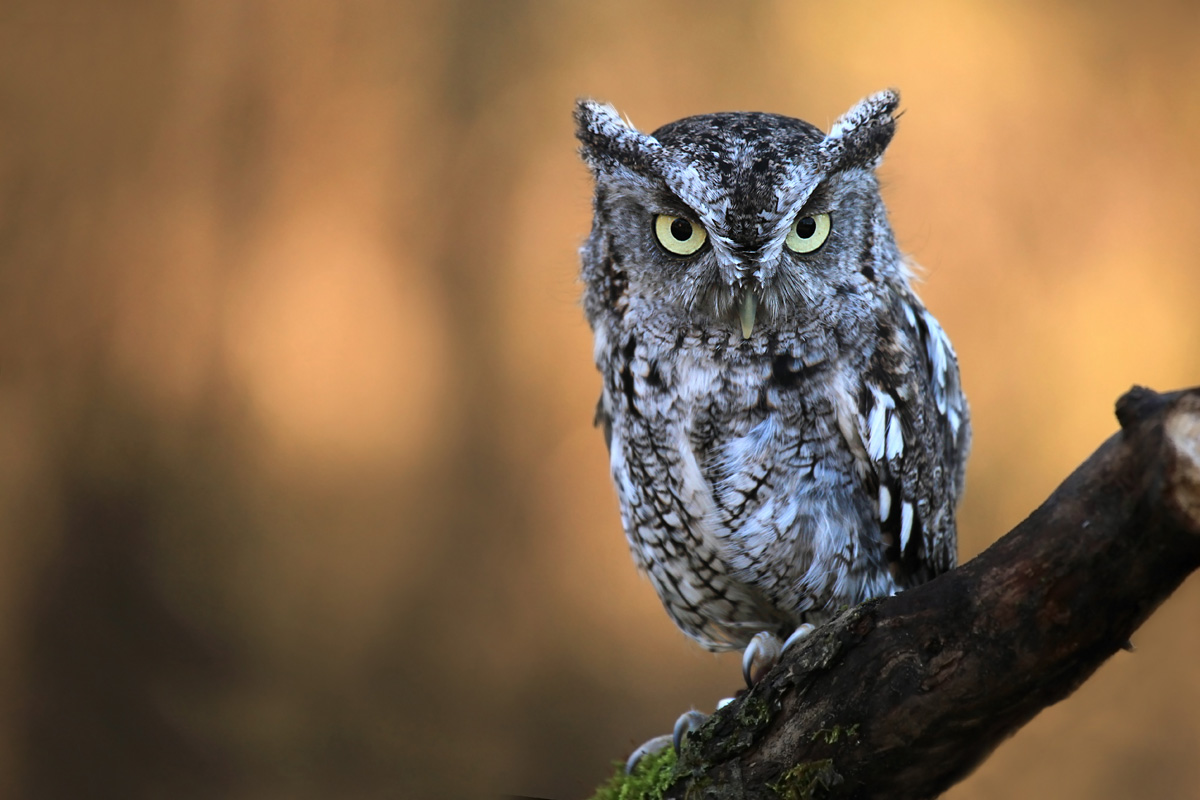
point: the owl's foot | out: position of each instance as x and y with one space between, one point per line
764 652
761 654
655 745
804 630
687 722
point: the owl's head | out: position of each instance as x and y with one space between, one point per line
744 220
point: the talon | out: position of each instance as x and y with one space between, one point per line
655 745
804 630
686 723
761 654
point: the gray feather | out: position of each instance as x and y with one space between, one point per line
767 481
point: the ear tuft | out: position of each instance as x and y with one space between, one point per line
860 136
608 138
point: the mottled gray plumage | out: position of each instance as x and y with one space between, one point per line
787 430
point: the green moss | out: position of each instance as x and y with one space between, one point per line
835 734
754 712
649 780
802 781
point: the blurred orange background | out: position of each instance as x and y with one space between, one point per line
299 493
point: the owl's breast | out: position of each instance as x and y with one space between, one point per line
730 462
757 420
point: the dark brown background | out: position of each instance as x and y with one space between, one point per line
299 496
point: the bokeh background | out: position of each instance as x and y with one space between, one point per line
299 494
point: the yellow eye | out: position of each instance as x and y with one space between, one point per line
679 234
807 233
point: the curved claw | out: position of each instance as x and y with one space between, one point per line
804 630
761 654
655 745
686 723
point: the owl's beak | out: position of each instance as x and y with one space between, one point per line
748 311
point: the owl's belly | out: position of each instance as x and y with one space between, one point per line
762 527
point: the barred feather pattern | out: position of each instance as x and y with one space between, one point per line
770 473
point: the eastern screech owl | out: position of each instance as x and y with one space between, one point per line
785 421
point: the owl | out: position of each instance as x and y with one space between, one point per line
786 427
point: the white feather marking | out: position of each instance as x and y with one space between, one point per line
600 346
877 423
850 423
895 440
616 464
876 432
786 516
696 494
906 521
940 354
936 347
908 313
885 503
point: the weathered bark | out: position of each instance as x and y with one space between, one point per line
904 696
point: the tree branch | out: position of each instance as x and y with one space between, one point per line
904 696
